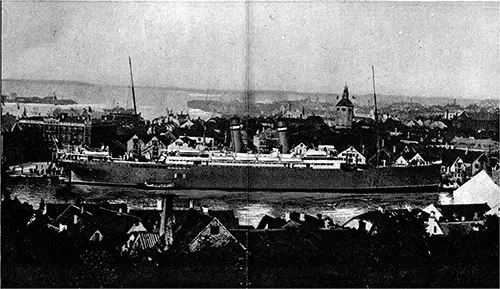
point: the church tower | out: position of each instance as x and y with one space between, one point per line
344 111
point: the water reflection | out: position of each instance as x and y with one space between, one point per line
249 207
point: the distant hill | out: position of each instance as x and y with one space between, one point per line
176 98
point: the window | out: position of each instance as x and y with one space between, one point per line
214 230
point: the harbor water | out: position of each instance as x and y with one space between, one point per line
249 207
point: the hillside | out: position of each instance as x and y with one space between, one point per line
177 98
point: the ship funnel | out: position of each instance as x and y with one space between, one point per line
282 133
235 135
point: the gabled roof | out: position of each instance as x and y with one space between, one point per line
450 156
71 210
407 155
137 228
186 230
54 210
291 224
271 223
145 241
226 217
432 209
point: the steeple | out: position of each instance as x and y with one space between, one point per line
345 98
346 91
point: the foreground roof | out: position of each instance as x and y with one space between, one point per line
479 189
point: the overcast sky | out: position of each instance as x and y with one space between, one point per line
418 49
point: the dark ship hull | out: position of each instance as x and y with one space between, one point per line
254 178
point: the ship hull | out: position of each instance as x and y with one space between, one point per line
249 178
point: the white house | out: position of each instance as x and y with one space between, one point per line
300 149
351 155
460 165
177 145
134 145
433 227
407 159
330 149
153 148
200 140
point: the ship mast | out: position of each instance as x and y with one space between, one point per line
376 116
132 80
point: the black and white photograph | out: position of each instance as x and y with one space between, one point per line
250 144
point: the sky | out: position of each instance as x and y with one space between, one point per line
418 49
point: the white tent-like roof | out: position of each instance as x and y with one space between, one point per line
480 189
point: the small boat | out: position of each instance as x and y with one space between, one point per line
155 186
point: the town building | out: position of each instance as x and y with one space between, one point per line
472 144
344 111
459 165
410 157
266 140
352 156
199 231
299 149
152 149
134 146
480 125
88 132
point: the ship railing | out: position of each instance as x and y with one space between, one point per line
86 157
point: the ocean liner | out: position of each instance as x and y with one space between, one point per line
241 173
192 169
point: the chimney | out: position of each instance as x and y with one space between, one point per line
287 216
283 138
236 134
120 210
75 219
167 221
204 210
302 217
191 204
